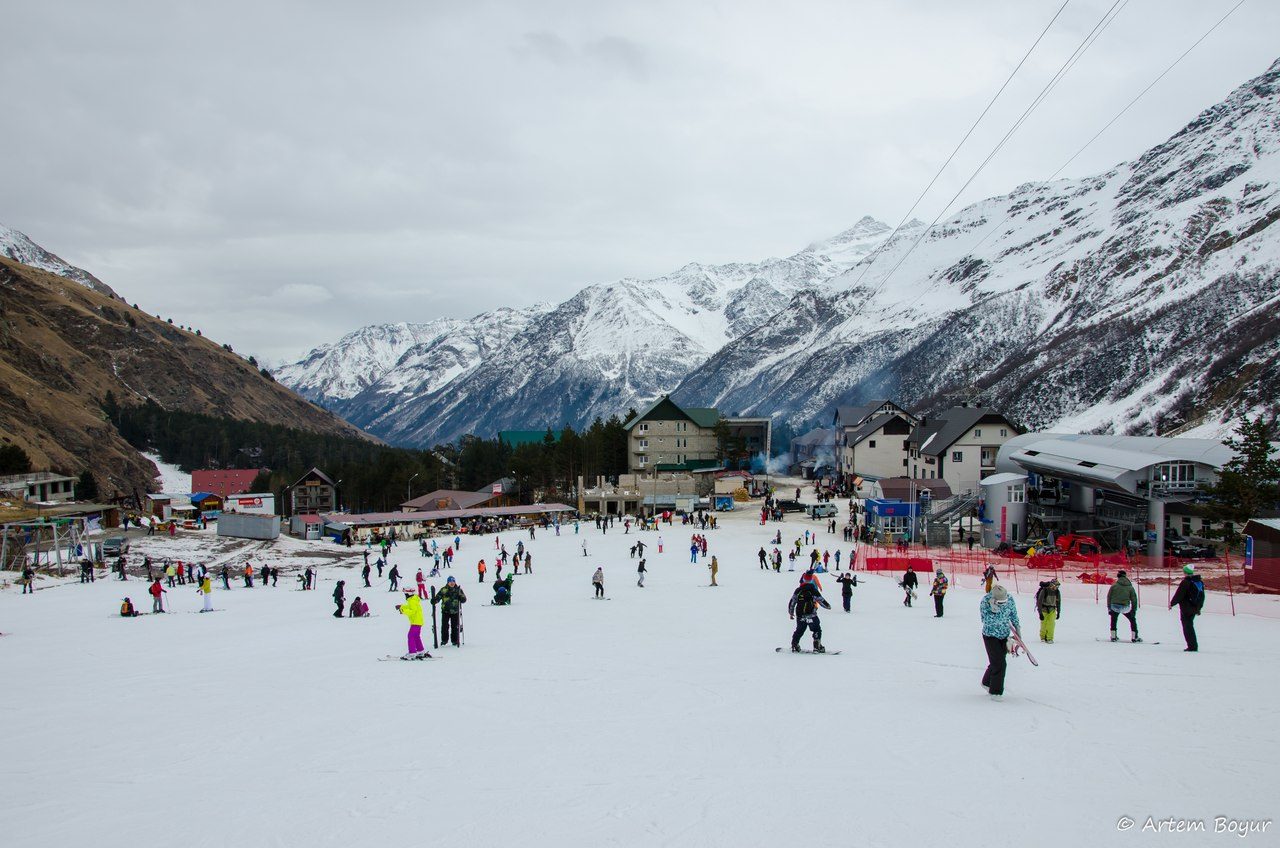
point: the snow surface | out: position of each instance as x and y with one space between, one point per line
660 717
171 478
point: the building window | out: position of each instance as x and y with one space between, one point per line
1174 475
643 461
871 444
644 443
644 427
1004 431
977 434
1017 493
904 462
988 457
957 456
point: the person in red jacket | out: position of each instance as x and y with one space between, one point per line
156 590
481 569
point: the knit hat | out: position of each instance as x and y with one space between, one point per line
1187 569
408 590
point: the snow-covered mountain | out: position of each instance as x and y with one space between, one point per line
1144 299
610 346
18 247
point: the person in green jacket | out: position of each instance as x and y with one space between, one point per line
1122 599
451 598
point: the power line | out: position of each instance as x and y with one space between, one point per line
872 258
1071 61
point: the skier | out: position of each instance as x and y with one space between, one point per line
641 572
938 591
502 590
394 576
364 572
990 576
1122 599
451 598
156 590
715 567
480 569
803 608
999 621
597 580
910 581
1049 608
248 575
422 585
206 592
693 551
847 581
528 563
339 598
1189 599
412 610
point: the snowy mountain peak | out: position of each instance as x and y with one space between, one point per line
20 248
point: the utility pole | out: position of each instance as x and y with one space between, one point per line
409 488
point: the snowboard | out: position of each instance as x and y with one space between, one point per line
390 657
1128 642
788 650
1022 646
598 598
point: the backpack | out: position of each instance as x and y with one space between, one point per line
1196 595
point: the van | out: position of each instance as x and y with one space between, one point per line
823 510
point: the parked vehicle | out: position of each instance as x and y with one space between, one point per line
115 546
791 506
823 510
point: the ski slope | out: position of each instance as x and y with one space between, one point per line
660 717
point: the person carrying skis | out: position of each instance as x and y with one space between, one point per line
451 598
206 592
910 581
803 608
1189 598
597 580
156 590
641 571
999 621
1049 608
1122 599
412 610
938 591
847 581
339 598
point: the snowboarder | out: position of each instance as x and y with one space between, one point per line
1122 599
999 621
502 590
127 609
803 608
641 572
412 610
910 581
206 593
597 580
715 568
1049 608
847 581
451 598
1189 598
339 598
938 591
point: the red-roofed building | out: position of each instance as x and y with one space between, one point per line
224 481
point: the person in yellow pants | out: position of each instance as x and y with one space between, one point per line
1049 607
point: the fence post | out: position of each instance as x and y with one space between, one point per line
1230 589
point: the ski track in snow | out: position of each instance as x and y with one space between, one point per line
663 718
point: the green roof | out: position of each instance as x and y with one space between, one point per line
516 438
665 409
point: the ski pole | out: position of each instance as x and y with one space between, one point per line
435 640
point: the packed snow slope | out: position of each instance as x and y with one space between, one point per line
662 716
609 347
1140 300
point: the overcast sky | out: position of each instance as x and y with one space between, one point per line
279 173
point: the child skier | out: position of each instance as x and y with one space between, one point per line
412 610
803 608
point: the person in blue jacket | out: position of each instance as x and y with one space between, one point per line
999 621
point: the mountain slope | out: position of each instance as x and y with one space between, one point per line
1139 300
63 347
18 247
608 347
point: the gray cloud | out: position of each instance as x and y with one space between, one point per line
278 174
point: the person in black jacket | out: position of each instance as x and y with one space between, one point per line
909 583
338 598
847 581
451 598
1190 601
803 608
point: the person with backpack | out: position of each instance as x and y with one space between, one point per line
803 608
910 581
1189 598
127 609
847 581
938 591
1122 599
1049 608
999 622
